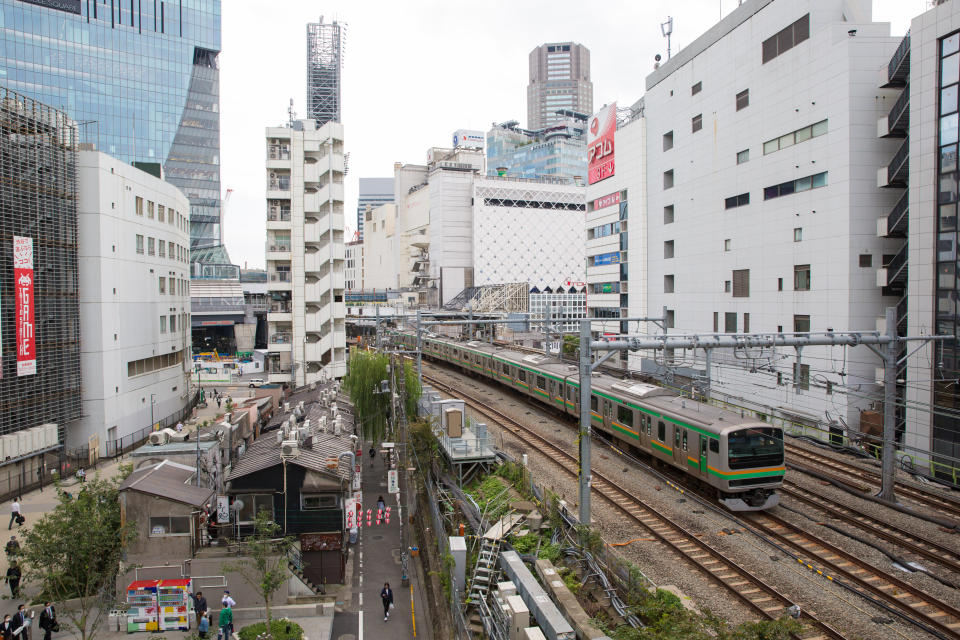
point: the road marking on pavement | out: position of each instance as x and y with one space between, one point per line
413 616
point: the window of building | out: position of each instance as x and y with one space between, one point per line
671 319
801 376
169 526
743 156
786 39
668 179
746 323
163 324
793 186
795 137
161 213
151 246
866 260
797 234
668 141
163 285
162 249
668 215
254 503
716 322
779 284
173 323
743 99
150 209
139 206
170 215
801 324
801 277
139 243
668 249
309 501
727 244
728 286
741 283
737 201
695 89
730 322
697 122
668 283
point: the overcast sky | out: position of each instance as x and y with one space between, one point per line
416 71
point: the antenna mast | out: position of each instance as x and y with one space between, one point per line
666 28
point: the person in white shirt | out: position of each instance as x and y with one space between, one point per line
179 427
14 513
227 601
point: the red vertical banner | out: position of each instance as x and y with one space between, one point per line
600 150
23 293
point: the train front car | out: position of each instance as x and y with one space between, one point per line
753 468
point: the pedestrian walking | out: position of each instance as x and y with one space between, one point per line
199 606
48 620
20 623
381 505
373 455
226 622
386 594
40 477
15 515
203 626
228 603
13 578
81 475
180 427
218 402
12 548
6 627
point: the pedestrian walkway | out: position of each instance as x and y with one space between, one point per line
377 560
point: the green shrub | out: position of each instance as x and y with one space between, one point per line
526 544
281 629
550 552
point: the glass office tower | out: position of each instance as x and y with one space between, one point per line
140 77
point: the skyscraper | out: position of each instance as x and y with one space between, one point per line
324 63
140 79
373 193
559 79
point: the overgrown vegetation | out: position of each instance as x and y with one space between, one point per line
570 345
491 495
281 629
413 389
362 383
73 552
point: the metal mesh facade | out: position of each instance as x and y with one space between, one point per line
324 63
38 199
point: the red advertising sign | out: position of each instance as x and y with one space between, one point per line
606 201
603 126
23 293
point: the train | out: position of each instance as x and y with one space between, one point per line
739 459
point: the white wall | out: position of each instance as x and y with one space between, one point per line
120 300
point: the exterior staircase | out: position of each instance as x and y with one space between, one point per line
295 564
484 571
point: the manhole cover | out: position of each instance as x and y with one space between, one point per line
378 537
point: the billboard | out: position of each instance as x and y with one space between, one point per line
606 201
467 139
606 258
23 295
603 127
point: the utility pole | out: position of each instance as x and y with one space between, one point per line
376 339
583 437
889 408
419 347
546 330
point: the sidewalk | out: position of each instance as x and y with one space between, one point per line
376 560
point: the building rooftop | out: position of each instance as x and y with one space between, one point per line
188 446
168 480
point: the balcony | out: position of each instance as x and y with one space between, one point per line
278 186
894 274
319 201
280 341
278 251
895 224
279 281
902 316
895 174
898 69
280 312
319 224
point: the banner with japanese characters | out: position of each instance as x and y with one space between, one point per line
23 290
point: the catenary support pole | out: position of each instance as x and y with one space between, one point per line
419 347
583 470
889 407
546 330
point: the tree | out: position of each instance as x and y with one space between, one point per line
413 388
570 345
74 552
265 566
362 382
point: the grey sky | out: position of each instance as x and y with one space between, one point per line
416 71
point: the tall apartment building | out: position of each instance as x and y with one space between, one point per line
353 268
305 252
99 62
761 159
324 67
559 79
920 173
39 316
373 192
134 265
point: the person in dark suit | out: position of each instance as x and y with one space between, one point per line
48 620
19 623
6 627
13 578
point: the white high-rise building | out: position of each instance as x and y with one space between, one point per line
134 263
762 201
306 338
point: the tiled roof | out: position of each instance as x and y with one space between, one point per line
168 480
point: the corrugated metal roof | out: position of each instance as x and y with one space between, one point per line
168 480
265 453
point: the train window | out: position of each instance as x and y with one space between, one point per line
593 403
759 447
661 431
684 439
570 393
521 375
676 437
714 445
625 416
541 382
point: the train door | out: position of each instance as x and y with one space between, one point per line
679 455
607 414
703 455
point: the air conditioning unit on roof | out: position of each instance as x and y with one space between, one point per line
159 437
289 449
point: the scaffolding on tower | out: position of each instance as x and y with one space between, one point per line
325 48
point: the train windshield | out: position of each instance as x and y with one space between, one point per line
760 447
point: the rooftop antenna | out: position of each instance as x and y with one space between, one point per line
291 112
666 28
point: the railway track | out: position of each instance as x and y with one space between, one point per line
854 475
751 590
837 563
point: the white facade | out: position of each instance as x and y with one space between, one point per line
767 158
134 239
380 257
565 305
305 252
353 266
527 230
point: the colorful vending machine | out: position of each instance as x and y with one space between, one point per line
142 606
173 599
